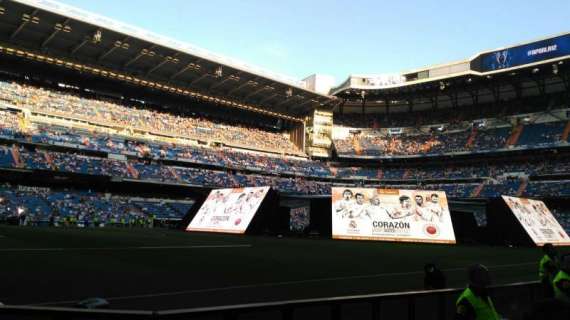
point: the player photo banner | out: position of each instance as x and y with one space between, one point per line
537 221
391 215
228 210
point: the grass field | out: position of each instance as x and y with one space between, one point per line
164 269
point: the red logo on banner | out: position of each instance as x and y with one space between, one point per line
431 230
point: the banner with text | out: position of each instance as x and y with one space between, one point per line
391 215
228 210
537 221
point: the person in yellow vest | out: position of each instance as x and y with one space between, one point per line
561 282
474 303
547 269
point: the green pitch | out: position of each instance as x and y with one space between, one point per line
162 269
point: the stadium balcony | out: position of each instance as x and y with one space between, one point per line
460 180
46 160
449 116
549 130
42 133
111 114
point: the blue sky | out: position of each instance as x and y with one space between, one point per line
301 37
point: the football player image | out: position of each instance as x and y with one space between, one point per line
343 206
375 211
527 216
238 206
422 211
435 208
211 205
358 209
405 209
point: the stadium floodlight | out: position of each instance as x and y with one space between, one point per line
122 45
289 92
535 70
363 94
469 80
62 27
28 18
442 85
2 10
554 69
526 119
146 52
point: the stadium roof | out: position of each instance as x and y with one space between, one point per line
532 68
43 29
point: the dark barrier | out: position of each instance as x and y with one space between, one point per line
510 300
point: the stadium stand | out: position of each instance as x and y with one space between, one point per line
50 102
98 133
468 139
36 206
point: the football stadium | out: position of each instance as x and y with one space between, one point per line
143 178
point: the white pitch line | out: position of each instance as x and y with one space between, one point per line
127 248
272 284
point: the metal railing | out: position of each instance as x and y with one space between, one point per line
434 304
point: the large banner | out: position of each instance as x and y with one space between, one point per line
228 210
537 221
525 54
391 215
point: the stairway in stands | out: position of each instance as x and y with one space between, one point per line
356 145
566 132
522 187
49 160
16 156
477 191
380 174
471 138
132 171
174 174
515 135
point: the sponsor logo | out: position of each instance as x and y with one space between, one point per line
542 50
431 230
391 225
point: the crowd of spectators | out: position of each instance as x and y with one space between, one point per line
152 171
43 206
145 158
379 144
9 123
458 180
481 169
112 113
116 144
